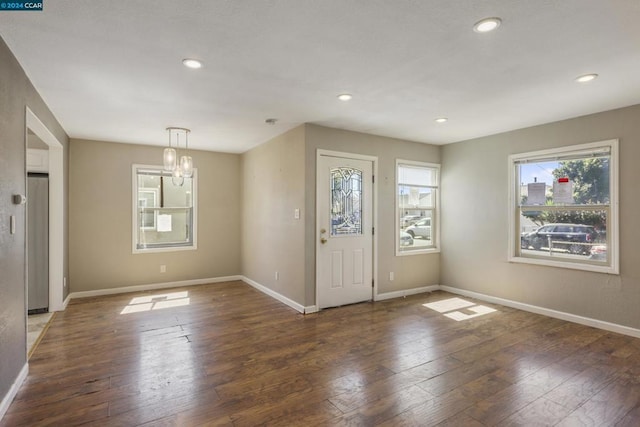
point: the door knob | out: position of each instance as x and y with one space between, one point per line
323 240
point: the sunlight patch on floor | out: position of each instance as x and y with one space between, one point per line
157 302
449 304
459 309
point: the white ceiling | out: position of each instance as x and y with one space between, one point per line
111 70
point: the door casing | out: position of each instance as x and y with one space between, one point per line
56 212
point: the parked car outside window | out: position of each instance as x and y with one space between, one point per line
421 228
575 238
408 220
405 239
599 253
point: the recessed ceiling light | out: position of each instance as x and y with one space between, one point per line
192 63
441 120
345 97
486 25
586 78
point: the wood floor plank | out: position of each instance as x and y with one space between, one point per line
541 412
232 356
608 406
449 405
492 410
356 398
580 388
385 408
631 419
460 419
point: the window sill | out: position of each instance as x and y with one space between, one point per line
419 252
570 265
167 249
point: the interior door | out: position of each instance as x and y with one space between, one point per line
344 262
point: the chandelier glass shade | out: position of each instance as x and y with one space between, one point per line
169 159
184 167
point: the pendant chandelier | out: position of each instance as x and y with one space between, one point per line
180 167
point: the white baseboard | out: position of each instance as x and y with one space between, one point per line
607 326
11 394
311 309
151 287
291 303
405 292
587 321
65 303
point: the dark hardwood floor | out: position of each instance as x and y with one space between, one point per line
225 354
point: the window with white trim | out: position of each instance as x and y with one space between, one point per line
417 207
164 210
564 207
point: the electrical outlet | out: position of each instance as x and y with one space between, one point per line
163 268
296 213
391 276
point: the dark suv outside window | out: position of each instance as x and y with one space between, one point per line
575 238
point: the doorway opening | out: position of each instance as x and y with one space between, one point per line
44 141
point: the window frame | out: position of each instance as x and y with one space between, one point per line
155 200
435 219
613 236
134 213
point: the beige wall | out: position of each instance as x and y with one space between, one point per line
247 226
272 188
17 93
100 214
410 271
474 202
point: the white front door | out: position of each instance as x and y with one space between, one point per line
344 231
